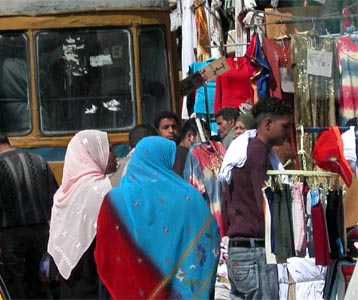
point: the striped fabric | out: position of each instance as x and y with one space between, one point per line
27 188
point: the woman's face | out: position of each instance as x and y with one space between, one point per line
239 128
112 161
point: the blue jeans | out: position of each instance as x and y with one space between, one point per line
250 276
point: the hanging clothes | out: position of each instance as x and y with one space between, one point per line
309 226
283 226
189 40
314 98
278 55
199 102
201 170
335 223
320 235
299 218
255 54
347 51
215 29
234 87
203 49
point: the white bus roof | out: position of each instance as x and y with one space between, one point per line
38 7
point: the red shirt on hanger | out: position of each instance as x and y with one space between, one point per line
234 87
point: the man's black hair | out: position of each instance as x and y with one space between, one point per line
138 132
352 122
228 113
165 115
270 106
3 138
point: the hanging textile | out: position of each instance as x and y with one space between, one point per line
199 101
314 97
319 228
347 51
299 218
335 223
283 227
189 42
215 29
203 49
262 74
278 54
234 87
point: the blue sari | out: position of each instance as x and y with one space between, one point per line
156 238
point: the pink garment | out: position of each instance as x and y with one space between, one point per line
299 218
78 200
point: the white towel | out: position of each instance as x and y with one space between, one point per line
236 156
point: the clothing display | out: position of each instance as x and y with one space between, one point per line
313 68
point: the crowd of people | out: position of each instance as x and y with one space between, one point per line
160 223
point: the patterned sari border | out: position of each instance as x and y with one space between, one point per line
208 278
164 282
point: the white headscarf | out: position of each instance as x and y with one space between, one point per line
78 200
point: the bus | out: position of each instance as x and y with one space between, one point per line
69 65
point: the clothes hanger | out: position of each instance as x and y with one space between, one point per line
312 33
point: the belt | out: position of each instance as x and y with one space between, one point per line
246 243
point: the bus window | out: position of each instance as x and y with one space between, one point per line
14 79
85 80
153 72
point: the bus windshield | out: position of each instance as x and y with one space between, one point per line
85 80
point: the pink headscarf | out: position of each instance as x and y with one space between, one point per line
79 198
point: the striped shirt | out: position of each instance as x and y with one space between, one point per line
27 186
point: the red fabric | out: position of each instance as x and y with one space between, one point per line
234 87
277 56
320 236
347 274
328 154
126 277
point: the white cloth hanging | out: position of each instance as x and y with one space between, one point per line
349 148
189 42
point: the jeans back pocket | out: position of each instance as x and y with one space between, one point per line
245 276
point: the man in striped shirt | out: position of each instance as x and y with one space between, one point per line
27 186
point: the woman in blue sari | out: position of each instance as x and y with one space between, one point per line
156 238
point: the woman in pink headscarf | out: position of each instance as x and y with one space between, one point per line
75 210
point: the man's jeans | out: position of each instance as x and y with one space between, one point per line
250 276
